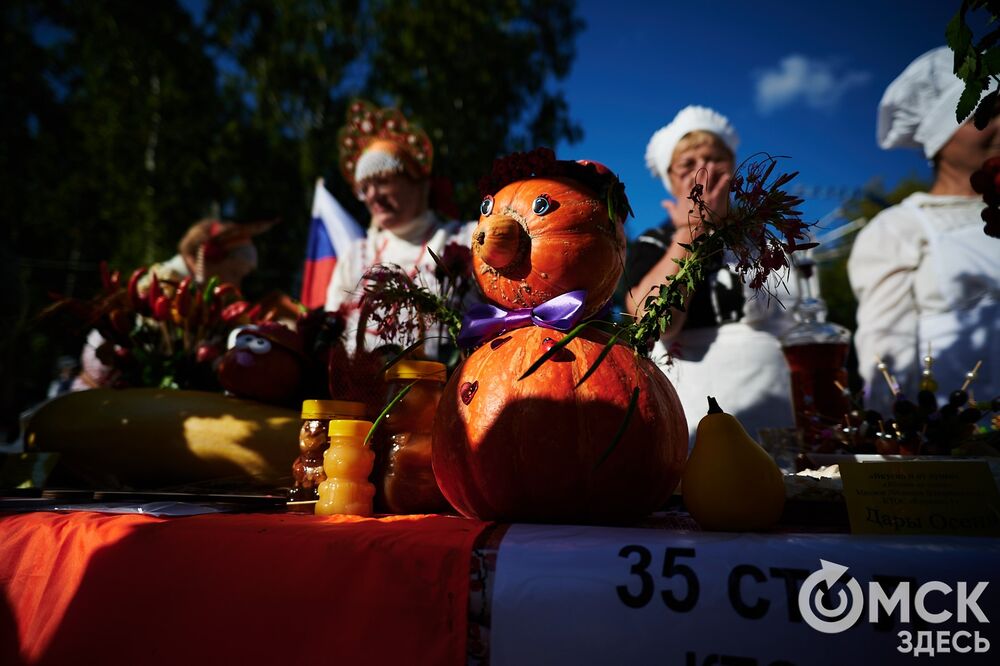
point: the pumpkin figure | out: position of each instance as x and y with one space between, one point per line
543 449
265 363
557 230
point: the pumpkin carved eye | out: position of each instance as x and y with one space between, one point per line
487 206
541 205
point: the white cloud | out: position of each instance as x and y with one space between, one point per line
817 84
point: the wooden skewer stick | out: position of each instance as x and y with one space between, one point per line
889 379
847 424
971 376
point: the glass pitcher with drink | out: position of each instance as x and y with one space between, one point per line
816 351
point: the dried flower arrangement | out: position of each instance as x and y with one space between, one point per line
403 310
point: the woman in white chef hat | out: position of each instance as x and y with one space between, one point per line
926 277
724 344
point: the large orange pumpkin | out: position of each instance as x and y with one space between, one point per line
542 449
543 237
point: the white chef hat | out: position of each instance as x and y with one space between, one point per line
660 149
918 108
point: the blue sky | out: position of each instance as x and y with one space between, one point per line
801 79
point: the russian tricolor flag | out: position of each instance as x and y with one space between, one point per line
331 233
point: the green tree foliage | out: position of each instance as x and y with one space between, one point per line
503 57
125 122
977 62
127 156
104 120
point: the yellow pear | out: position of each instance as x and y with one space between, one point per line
730 482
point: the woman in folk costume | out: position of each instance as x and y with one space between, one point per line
725 342
387 161
926 276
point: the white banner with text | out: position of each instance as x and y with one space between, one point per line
592 595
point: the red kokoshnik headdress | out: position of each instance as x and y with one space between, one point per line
377 141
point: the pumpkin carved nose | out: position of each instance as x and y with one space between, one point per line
497 240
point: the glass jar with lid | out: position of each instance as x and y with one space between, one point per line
314 439
407 483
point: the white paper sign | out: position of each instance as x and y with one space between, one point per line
585 595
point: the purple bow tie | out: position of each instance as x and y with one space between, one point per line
484 321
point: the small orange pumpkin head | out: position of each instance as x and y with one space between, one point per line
548 227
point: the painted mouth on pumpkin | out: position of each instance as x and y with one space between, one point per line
245 358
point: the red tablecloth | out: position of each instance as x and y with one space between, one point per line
233 589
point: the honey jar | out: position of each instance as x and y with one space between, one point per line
307 470
347 463
408 484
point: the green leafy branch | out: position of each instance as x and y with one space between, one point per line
672 294
761 227
977 63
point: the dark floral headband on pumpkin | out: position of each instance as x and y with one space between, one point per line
542 163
